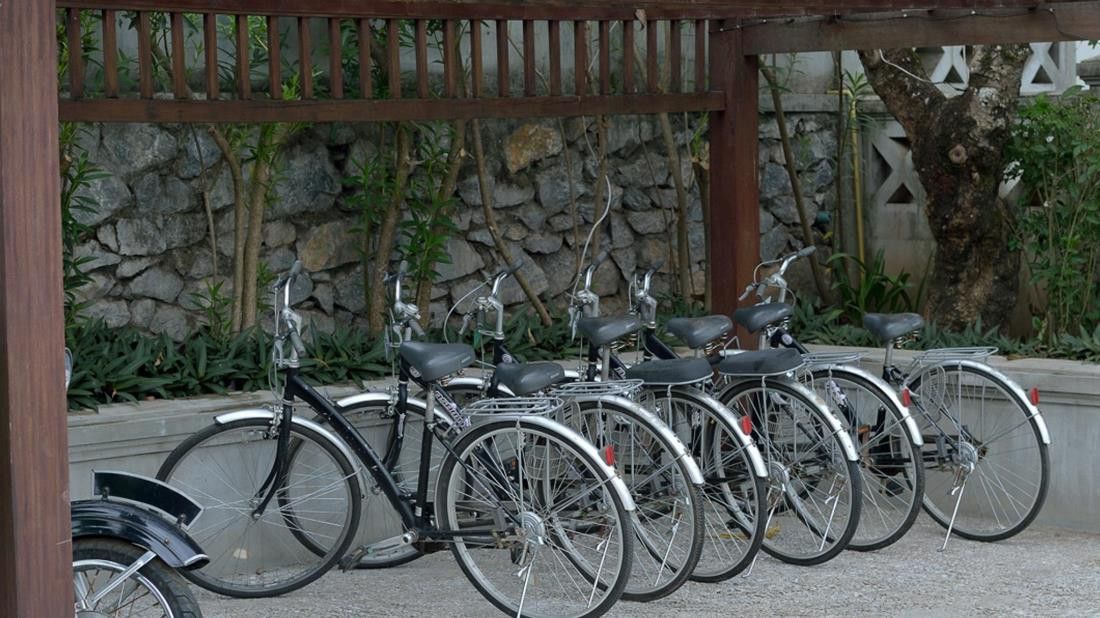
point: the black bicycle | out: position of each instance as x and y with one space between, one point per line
538 522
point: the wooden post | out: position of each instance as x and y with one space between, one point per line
734 222
36 561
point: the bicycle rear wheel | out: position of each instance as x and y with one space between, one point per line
224 468
971 414
733 494
889 462
814 480
537 524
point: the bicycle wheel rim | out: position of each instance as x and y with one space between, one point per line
1008 485
577 498
140 596
733 495
813 489
224 467
889 463
668 517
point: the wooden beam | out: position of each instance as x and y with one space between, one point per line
145 55
36 563
393 53
110 54
605 57
358 110
305 58
451 58
274 58
734 209
628 56
76 53
179 68
210 49
652 78
1057 22
421 50
335 60
580 58
542 9
503 87
555 58
366 79
244 72
700 56
675 52
477 72
530 88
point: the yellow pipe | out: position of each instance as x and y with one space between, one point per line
857 176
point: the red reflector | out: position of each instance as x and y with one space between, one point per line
746 425
609 455
1033 395
906 398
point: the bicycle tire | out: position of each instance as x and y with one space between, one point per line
246 579
791 479
1016 404
473 462
164 584
889 462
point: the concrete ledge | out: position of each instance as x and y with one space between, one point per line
137 437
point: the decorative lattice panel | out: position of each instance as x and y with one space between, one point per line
1052 67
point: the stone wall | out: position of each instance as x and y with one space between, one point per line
151 250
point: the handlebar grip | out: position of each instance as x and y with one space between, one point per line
295 270
513 267
296 341
416 328
600 259
808 251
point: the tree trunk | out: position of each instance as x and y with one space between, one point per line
240 208
387 233
958 145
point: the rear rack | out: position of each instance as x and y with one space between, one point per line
833 358
540 406
614 388
939 355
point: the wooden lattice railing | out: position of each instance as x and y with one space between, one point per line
213 62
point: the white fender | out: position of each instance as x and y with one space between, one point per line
728 418
1032 411
263 413
479 383
889 393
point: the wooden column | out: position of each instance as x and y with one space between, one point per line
36 561
734 224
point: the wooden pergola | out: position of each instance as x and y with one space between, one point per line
34 533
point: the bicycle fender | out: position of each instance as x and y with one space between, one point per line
412 402
1032 411
106 519
678 448
731 421
617 484
891 394
850 452
265 414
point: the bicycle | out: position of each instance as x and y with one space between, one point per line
813 474
939 387
513 487
663 478
888 439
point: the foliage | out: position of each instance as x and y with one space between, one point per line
428 225
874 291
77 172
123 364
1056 152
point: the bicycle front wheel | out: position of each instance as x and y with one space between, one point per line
973 417
814 483
535 521
226 468
669 517
889 462
733 493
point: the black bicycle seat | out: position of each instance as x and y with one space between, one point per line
890 326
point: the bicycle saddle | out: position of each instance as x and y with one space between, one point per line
698 332
761 363
527 378
759 316
431 361
671 371
890 326
602 331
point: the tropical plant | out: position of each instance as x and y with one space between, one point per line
872 289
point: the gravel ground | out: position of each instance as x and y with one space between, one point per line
1045 572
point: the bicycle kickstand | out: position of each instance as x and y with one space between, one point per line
961 475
